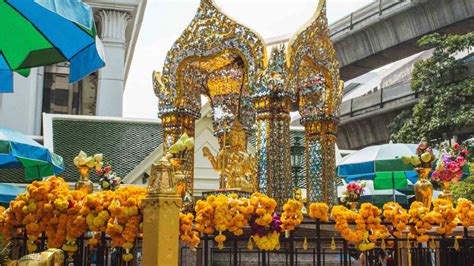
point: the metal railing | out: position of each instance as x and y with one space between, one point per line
319 252
357 17
376 100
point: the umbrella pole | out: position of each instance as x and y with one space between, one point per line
393 188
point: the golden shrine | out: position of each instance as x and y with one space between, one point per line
250 94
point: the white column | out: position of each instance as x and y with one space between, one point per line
21 110
112 27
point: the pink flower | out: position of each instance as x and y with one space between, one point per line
464 153
353 187
460 160
446 176
452 166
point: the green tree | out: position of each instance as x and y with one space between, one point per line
446 102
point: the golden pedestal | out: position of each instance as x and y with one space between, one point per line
161 229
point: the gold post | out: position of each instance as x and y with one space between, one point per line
161 229
161 210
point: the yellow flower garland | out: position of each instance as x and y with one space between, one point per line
397 215
343 216
421 220
187 234
368 225
264 208
319 211
292 215
64 215
373 222
240 210
465 212
268 242
221 218
444 216
204 215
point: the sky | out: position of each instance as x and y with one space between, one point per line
165 20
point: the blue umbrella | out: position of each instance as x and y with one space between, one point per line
20 151
42 32
9 192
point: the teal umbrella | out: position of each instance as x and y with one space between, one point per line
9 192
382 164
20 151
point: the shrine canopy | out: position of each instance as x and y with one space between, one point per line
216 57
314 69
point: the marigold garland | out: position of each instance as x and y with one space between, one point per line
268 242
64 215
221 217
397 215
373 222
343 216
240 210
292 215
319 211
125 218
368 225
264 208
421 220
465 212
444 216
204 215
187 234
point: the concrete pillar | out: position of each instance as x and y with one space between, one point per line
22 109
112 28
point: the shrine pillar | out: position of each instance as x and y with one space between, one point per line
314 75
321 159
272 105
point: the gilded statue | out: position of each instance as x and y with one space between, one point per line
50 257
235 166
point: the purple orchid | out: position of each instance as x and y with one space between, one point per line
275 225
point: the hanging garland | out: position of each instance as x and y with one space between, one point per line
368 225
398 216
240 210
64 215
292 215
187 234
421 221
465 212
319 211
444 216
343 217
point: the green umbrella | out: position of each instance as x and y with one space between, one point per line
42 32
20 151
